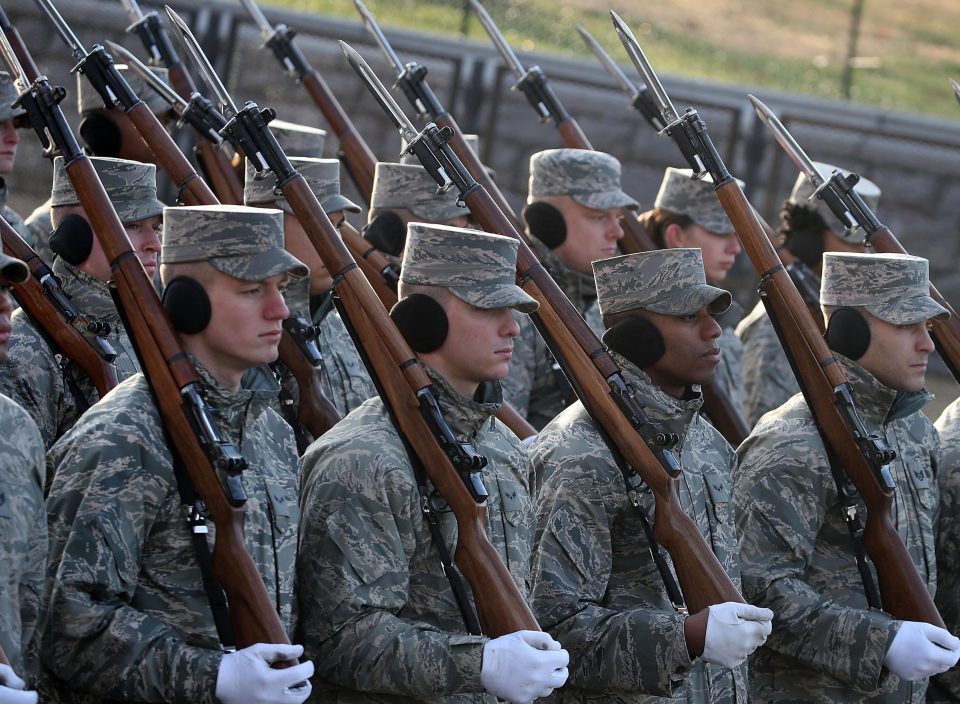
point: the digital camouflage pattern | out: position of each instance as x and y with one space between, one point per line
89 99
945 688
322 177
681 193
728 376
768 379
127 618
8 96
23 535
477 267
666 281
243 242
52 389
130 185
803 194
595 586
797 556
591 178
299 140
376 613
893 287
410 187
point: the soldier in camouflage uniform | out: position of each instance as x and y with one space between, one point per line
808 228
596 587
582 190
376 612
795 549
48 385
23 521
10 123
345 379
686 213
945 688
127 618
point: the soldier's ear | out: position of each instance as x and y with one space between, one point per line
72 240
187 304
546 223
422 321
848 333
637 339
101 135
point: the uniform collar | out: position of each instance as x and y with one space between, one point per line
581 289
235 409
877 403
89 294
466 416
675 413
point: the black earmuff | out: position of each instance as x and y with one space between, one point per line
187 304
101 135
422 322
546 223
848 333
387 233
72 240
637 339
806 246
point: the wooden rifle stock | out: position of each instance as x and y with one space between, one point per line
315 413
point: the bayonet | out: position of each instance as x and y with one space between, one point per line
639 59
956 89
13 64
371 24
513 63
224 101
63 29
149 77
155 40
259 19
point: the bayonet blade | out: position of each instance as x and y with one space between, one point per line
608 63
13 64
389 105
266 29
642 65
505 51
786 140
63 29
956 89
378 36
149 77
133 10
226 104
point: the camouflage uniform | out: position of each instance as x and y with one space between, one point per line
536 387
795 549
8 95
410 187
46 383
768 379
376 613
127 618
595 586
945 688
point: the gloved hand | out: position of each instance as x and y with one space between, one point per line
523 666
735 630
11 688
921 650
245 677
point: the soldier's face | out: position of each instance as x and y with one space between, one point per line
478 346
692 353
6 310
9 139
897 355
720 250
591 234
145 237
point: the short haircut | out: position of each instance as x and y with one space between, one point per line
201 271
656 222
440 294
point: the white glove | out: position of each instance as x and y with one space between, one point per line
921 650
735 630
523 666
11 688
245 677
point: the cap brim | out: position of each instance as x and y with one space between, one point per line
908 311
496 296
12 270
689 299
606 200
260 266
137 210
335 202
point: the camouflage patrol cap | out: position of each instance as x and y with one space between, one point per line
410 187
299 140
893 287
12 270
590 178
130 185
681 193
242 242
472 140
477 267
89 99
803 192
321 175
8 96
667 281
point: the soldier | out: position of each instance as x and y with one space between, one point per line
573 214
686 213
11 120
23 521
51 388
596 587
795 547
808 228
127 618
345 379
376 612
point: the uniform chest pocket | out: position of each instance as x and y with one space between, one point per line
515 505
718 491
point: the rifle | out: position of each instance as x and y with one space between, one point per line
97 65
354 152
167 368
865 457
598 381
69 331
838 193
213 162
453 467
